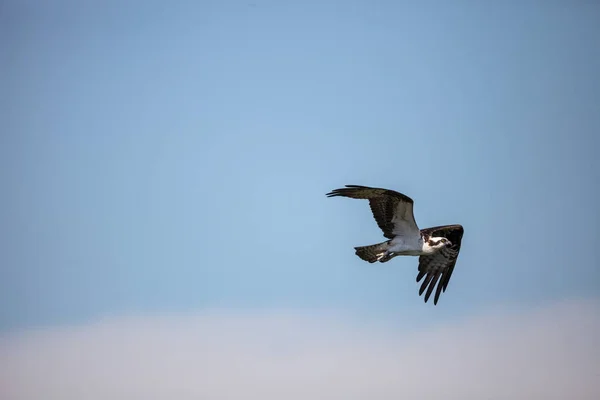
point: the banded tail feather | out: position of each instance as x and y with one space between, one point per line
374 252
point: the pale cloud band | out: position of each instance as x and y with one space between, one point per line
549 353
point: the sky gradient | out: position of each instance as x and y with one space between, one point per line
160 160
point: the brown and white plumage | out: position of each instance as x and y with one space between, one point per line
437 247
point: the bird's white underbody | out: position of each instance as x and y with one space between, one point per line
411 246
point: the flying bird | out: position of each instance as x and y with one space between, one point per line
437 247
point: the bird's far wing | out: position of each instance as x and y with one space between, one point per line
393 211
437 268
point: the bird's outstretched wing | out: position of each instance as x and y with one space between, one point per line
393 211
437 268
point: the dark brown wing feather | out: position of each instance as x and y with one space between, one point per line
437 268
383 203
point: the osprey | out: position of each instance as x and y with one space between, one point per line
437 247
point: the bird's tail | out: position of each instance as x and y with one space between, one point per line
374 252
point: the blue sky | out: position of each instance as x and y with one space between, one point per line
164 159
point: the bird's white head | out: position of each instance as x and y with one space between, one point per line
434 244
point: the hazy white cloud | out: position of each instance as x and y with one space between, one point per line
550 353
